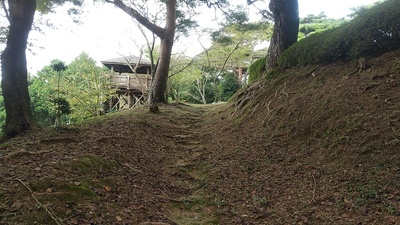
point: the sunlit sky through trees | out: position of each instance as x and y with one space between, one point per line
106 32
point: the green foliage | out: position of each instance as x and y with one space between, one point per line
184 24
58 65
228 86
210 87
42 90
180 80
83 89
370 34
317 23
62 105
86 87
257 68
250 34
47 6
233 48
238 41
237 16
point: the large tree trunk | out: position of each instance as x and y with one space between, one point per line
286 28
14 72
159 85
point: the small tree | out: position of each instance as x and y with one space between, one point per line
62 105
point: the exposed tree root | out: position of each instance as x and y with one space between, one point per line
248 98
58 140
24 152
246 95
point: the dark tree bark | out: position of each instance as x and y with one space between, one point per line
14 72
286 28
159 85
166 34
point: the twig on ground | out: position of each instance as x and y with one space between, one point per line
132 168
284 92
169 198
70 217
314 190
55 218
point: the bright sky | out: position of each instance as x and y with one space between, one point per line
108 32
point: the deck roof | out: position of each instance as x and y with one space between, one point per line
121 64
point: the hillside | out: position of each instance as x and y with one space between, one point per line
317 145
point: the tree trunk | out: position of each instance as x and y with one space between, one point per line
286 28
14 72
159 85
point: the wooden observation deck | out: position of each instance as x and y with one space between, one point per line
131 80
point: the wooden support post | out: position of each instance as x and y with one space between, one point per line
240 75
130 99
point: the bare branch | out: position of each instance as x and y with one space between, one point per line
160 32
133 69
206 51
227 58
5 10
186 66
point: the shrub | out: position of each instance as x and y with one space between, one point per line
257 68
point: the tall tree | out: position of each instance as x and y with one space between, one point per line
20 15
286 28
14 72
166 35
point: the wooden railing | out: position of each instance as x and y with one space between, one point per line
131 82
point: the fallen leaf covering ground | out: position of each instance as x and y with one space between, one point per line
317 145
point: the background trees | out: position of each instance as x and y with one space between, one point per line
83 87
43 92
86 87
317 23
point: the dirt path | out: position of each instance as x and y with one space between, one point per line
188 170
130 168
